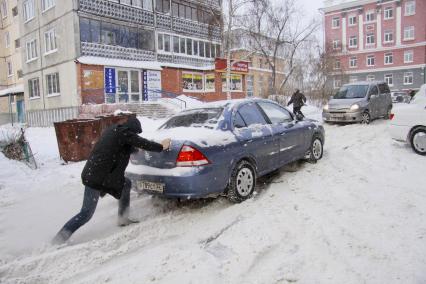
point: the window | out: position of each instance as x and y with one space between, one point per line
276 114
7 39
353 62
370 60
409 33
370 16
192 82
236 83
17 43
209 83
160 6
353 79
408 56
189 46
9 69
353 41
238 121
50 41
337 83
389 79
337 64
175 44
352 20
4 9
388 58
167 40
408 78
20 74
335 23
28 10
251 114
15 11
410 8
160 41
47 4
201 48
31 50
388 36
370 39
388 13
34 88
52 81
373 91
182 45
370 78
336 44
195 47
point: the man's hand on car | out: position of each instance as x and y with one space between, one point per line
166 144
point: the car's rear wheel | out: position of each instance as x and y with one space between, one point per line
242 182
316 150
388 113
418 141
365 118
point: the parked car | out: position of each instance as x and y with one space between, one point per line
408 122
359 102
400 97
222 147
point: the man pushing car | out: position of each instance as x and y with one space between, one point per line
104 173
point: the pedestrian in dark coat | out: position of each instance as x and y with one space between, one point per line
104 173
298 100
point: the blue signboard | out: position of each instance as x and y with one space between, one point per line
110 87
145 85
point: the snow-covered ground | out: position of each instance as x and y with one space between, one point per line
357 216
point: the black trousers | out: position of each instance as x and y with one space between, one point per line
298 110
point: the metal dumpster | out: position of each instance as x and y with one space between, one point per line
108 120
76 138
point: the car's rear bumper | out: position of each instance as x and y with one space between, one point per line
187 183
399 132
341 116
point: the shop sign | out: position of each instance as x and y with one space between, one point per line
92 79
151 85
236 65
110 87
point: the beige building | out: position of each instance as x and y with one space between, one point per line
11 76
259 79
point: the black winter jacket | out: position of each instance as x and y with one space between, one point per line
104 170
297 99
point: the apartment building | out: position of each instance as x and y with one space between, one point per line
11 82
377 40
119 51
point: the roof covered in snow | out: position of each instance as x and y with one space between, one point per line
12 90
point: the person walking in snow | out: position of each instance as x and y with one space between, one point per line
104 173
298 100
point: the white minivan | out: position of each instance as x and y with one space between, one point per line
408 122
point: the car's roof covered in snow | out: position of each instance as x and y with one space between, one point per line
227 103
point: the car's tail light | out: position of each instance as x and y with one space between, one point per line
191 157
391 116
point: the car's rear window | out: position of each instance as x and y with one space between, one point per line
206 117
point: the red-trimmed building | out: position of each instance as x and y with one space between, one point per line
377 40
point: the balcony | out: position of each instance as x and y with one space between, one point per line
117 52
199 62
117 11
193 28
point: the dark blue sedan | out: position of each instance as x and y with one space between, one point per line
223 147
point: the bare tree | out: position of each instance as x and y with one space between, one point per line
232 8
277 33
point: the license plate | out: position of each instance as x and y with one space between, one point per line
337 116
151 186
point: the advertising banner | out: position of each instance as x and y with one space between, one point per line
110 87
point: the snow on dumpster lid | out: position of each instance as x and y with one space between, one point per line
94 60
13 90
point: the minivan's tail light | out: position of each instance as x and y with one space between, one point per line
391 116
191 157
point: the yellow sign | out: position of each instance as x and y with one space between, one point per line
92 79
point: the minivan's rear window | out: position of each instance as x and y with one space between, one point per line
205 117
352 92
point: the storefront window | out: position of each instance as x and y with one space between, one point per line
209 85
236 83
192 82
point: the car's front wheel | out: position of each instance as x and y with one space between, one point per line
365 118
418 141
242 182
316 150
